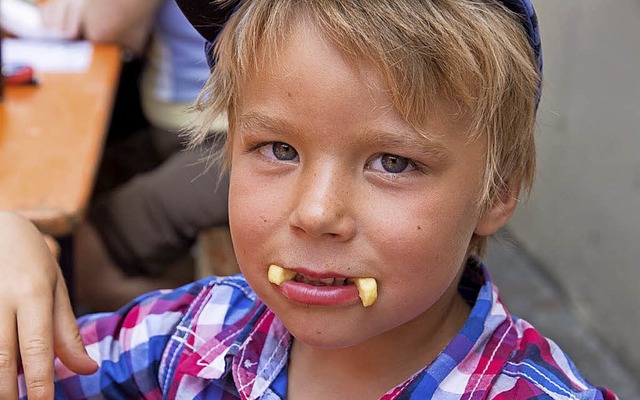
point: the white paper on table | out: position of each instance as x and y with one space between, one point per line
23 19
48 55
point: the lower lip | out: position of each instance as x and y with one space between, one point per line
319 295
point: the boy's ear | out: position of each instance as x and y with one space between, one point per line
500 211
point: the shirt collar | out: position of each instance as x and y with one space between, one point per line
254 350
212 359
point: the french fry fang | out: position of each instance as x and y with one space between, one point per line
278 275
367 290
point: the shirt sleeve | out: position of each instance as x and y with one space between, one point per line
127 345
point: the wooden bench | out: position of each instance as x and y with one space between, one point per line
51 139
215 253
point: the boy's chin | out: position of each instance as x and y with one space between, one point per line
326 341
325 335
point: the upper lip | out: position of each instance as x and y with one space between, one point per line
316 274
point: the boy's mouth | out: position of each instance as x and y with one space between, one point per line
367 287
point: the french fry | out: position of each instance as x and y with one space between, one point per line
279 275
367 290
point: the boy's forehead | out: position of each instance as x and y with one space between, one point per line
309 54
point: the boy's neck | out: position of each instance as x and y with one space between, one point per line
370 369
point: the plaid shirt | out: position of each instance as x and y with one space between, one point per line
213 339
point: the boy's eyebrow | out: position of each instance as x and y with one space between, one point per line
382 138
423 145
257 120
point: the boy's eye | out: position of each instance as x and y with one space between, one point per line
392 164
280 151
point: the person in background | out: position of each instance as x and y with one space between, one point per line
152 196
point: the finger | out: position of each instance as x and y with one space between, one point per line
65 22
54 17
8 355
73 20
35 337
68 343
51 13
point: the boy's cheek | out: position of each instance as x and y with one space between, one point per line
253 215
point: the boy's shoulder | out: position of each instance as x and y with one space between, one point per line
141 342
503 356
186 301
198 306
538 368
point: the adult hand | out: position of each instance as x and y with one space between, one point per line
36 318
65 17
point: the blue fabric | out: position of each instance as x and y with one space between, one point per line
182 71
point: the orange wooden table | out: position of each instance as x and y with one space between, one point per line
51 140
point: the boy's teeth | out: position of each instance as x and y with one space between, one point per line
279 275
367 289
321 281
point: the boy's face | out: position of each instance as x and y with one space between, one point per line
327 179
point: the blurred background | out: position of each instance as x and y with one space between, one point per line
568 261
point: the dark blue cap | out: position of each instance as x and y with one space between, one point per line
529 21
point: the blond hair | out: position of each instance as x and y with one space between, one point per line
473 54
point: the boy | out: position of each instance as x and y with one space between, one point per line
373 146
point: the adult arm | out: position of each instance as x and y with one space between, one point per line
36 318
123 22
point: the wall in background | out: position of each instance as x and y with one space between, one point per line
582 221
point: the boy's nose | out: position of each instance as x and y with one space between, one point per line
323 207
